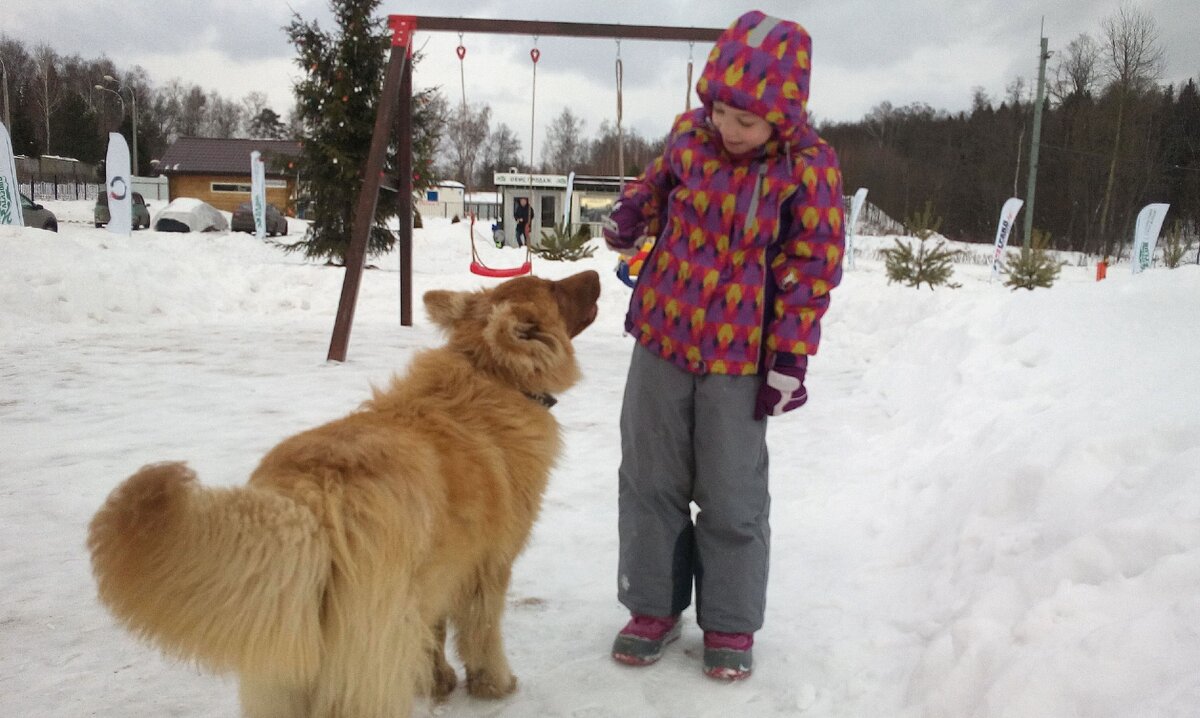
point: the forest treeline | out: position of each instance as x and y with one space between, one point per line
1113 137
57 108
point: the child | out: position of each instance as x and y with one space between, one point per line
746 202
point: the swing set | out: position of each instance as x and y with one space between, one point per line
477 265
395 111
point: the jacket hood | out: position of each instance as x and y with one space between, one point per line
761 64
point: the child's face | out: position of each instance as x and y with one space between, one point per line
741 131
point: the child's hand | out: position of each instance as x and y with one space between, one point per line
783 387
621 228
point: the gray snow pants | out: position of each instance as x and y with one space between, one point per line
693 438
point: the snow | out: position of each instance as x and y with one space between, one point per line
988 509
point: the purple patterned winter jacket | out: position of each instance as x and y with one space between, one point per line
748 247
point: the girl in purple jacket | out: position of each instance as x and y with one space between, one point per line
746 205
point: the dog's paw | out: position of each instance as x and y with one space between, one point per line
444 681
484 684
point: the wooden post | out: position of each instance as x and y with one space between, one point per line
368 195
397 90
404 186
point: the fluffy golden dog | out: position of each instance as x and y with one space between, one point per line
326 583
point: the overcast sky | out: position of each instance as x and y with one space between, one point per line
864 51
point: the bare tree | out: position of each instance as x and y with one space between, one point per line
502 152
1016 91
980 100
466 133
1133 61
254 103
565 146
193 112
224 117
47 87
1078 69
880 122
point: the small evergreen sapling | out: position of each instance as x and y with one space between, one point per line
564 246
920 263
1034 268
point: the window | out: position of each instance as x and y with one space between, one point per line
593 210
431 195
244 188
549 211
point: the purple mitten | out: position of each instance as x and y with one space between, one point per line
783 387
622 227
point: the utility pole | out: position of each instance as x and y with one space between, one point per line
1035 145
7 107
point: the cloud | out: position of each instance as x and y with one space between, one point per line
865 52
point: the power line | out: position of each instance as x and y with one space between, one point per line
1104 156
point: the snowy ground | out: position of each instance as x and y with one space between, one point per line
988 508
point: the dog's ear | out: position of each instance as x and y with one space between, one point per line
528 337
445 307
511 323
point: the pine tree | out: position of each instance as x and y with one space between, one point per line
337 99
926 264
1035 268
267 124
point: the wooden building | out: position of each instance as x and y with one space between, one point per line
217 171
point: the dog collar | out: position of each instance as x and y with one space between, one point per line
544 399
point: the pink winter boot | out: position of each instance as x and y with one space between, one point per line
728 656
642 640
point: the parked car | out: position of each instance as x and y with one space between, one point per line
141 213
188 214
38 216
243 220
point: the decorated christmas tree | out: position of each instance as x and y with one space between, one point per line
337 99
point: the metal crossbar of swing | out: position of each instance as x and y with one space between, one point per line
395 109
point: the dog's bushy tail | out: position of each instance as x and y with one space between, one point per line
230 578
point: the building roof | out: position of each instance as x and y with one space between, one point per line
208 155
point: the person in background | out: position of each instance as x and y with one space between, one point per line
746 204
523 217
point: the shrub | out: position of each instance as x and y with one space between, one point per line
562 245
921 262
1176 245
1033 268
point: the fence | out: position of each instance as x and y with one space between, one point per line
41 190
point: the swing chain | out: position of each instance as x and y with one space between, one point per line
687 100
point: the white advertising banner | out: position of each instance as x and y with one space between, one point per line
1008 217
117 184
258 193
856 205
10 198
567 203
1145 234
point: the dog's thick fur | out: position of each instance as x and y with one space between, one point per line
326 582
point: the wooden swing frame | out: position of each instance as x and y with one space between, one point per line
395 111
